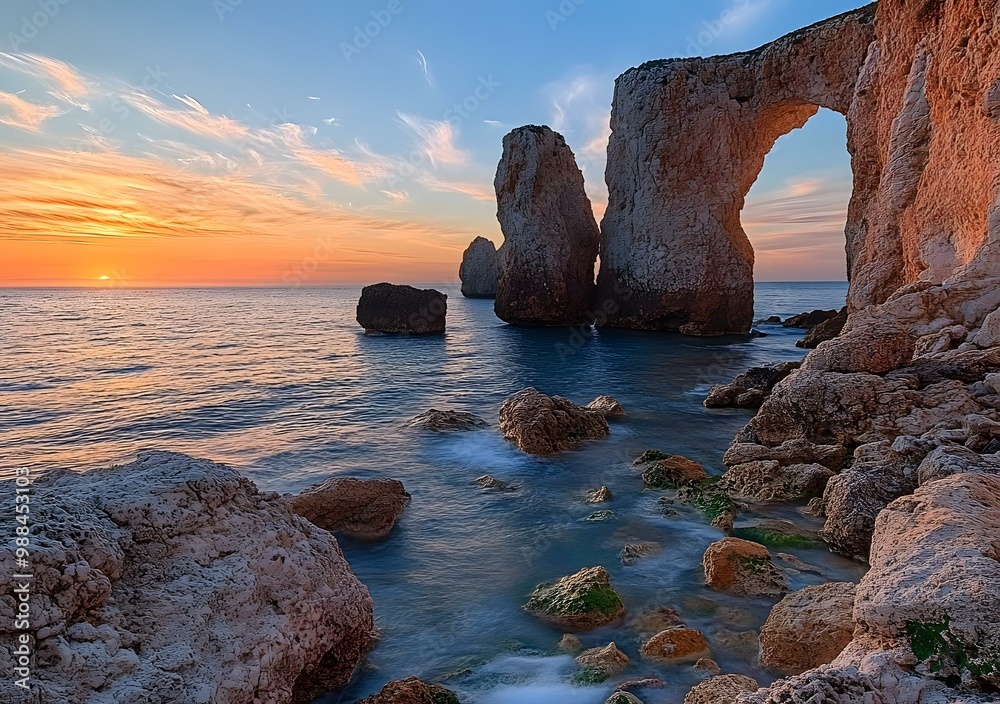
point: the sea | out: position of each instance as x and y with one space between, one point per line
283 385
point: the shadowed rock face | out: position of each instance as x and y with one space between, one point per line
546 264
479 269
402 309
689 137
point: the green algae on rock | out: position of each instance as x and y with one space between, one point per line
580 601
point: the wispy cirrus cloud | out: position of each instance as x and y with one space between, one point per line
17 112
52 72
436 139
195 118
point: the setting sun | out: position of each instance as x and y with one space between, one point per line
104 278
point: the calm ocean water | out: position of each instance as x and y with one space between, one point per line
284 385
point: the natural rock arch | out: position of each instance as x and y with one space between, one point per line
689 138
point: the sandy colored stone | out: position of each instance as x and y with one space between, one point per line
478 271
808 628
608 406
546 425
723 689
361 508
601 663
580 601
546 263
677 644
149 576
743 568
412 691
569 643
672 472
708 666
767 480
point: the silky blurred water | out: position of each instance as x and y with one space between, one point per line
283 385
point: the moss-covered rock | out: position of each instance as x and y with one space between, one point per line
671 472
580 601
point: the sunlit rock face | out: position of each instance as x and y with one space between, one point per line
546 263
689 137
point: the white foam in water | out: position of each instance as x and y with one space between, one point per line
540 680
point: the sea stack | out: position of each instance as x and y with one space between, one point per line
546 264
402 309
479 269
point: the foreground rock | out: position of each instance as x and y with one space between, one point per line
808 628
671 472
478 271
750 389
723 689
581 601
361 508
412 691
402 309
743 568
447 421
546 425
608 406
674 255
678 644
127 561
546 263
598 664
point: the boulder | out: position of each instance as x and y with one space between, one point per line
767 480
578 602
623 698
446 421
361 508
478 271
955 459
608 406
708 666
658 619
824 331
546 425
569 643
671 472
412 691
808 628
148 577
598 664
402 309
742 568
750 389
797 451
809 320
678 644
546 263
723 689
865 348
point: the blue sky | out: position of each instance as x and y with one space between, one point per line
349 109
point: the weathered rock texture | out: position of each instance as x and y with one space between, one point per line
173 579
545 425
412 691
723 689
580 601
402 309
546 263
446 421
808 628
478 271
361 508
689 137
742 567
749 389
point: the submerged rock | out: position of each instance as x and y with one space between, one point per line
808 628
412 691
671 472
149 576
598 496
708 666
750 389
361 508
546 425
632 553
491 483
679 644
402 309
743 568
446 421
723 689
581 601
608 406
478 271
546 263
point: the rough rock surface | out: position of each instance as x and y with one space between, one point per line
807 321
447 421
808 628
402 309
546 263
598 664
412 691
673 253
671 472
723 689
598 496
767 480
678 644
150 577
750 389
578 602
608 406
478 271
361 508
825 331
545 425
743 568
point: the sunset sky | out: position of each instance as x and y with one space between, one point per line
250 142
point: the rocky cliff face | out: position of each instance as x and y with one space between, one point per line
689 137
174 580
479 269
546 264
